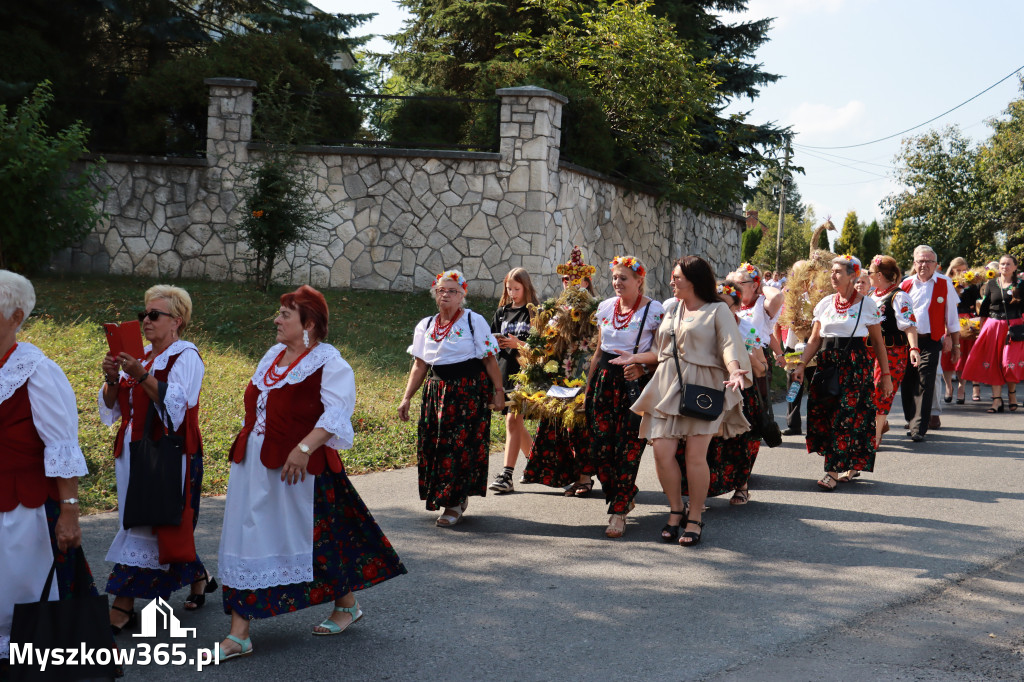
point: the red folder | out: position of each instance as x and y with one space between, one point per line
125 338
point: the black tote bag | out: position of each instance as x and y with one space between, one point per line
156 493
65 624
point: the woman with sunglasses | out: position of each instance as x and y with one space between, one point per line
760 310
154 562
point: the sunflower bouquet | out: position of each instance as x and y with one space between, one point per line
563 336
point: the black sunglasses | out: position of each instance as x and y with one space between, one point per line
153 315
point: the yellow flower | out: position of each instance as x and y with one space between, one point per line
551 367
990 274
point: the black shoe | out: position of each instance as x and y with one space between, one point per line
792 432
694 538
194 602
916 437
130 624
670 533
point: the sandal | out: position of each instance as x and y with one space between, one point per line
994 409
335 629
693 538
194 602
741 496
1011 405
847 476
583 489
976 394
246 645
828 483
616 526
452 518
670 533
130 624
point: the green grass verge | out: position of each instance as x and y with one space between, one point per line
233 327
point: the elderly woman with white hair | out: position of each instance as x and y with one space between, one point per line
39 464
156 561
455 352
840 406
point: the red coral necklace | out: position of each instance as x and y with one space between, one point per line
885 291
621 320
273 376
440 332
3 360
841 305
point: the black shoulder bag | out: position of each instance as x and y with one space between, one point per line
699 402
156 493
827 378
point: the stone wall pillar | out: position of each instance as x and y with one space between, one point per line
531 135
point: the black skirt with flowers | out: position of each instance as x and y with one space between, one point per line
730 460
350 553
842 428
559 456
453 437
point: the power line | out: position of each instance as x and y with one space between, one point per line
844 165
919 125
887 166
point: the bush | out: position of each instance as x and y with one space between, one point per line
46 204
749 242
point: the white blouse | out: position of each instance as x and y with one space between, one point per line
756 325
853 322
183 384
620 341
337 391
901 303
458 346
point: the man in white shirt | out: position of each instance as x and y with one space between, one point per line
934 300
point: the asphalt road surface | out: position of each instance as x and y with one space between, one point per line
914 572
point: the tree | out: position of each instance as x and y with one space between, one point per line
46 203
796 241
850 238
943 204
871 242
767 194
1001 168
749 242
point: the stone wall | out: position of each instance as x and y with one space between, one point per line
397 217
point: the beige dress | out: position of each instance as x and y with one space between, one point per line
708 340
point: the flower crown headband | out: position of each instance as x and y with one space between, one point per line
452 275
851 260
628 262
753 273
727 290
876 261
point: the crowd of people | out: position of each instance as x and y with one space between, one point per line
689 376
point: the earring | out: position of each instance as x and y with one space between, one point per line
305 337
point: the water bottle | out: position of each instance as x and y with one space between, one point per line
794 388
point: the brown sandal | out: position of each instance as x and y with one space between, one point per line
741 496
583 489
828 483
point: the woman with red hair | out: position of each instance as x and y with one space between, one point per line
291 541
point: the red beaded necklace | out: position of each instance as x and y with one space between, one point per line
3 360
440 332
273 376
843 307
885 291
621 320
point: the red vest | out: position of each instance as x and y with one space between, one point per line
22 474
189 428
292 412
936 307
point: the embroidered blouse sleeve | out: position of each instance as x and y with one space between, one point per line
822 308
654 318
183 385
904 311
55 416
417 348
108 415
338 394
870 316
484 343
731 340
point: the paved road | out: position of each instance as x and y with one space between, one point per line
902 575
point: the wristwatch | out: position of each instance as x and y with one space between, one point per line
303 448
70 500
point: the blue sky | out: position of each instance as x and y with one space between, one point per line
854 71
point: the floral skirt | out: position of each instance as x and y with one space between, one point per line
615 445
898 357
559 456
730 460
146 583
350 553
842 428
993 361
453 439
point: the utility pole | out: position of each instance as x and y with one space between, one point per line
782 209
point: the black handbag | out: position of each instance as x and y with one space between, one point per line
766 428
73 623
1015 332
699 402
634 387
156 493
827 378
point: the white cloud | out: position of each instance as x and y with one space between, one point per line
809 118
784 10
